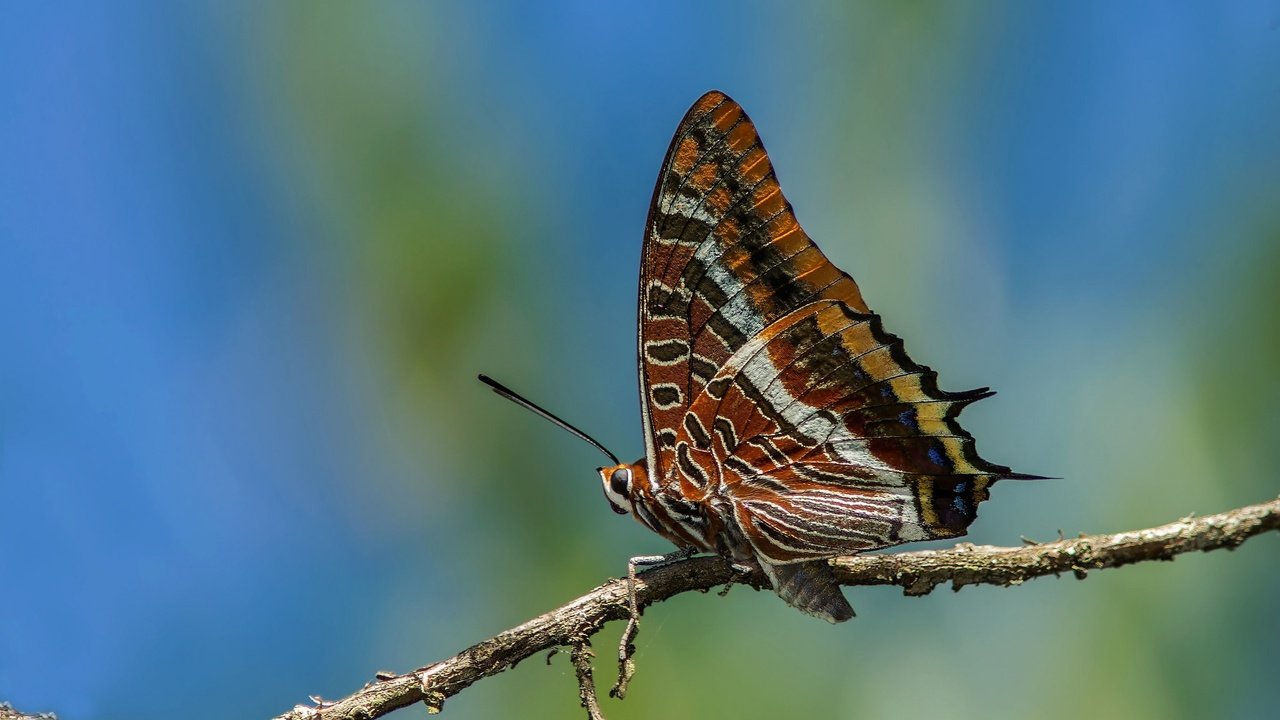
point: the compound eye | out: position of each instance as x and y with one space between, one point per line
620 482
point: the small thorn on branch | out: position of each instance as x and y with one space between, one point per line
434 700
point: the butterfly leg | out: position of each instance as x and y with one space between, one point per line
650 561
626 646
741 571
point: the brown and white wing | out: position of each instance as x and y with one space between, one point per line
723 259
828 439
764 373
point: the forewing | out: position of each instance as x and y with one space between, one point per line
723 259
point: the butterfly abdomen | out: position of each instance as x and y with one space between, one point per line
811 587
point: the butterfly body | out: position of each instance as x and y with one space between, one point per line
783 425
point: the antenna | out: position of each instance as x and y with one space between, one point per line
511 395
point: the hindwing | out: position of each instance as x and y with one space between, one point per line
832 440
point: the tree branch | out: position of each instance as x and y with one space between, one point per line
917 573
8 713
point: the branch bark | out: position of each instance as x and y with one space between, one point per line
918 573
8 713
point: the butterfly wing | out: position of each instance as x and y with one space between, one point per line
764 372
829 439
723 259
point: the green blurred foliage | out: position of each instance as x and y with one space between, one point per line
432 255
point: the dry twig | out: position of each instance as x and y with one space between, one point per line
581 658
918 573
8 713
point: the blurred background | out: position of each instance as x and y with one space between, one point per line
252 257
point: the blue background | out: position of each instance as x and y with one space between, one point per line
252 256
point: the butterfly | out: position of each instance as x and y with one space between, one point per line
783 425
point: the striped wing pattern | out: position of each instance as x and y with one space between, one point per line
783 424
723 257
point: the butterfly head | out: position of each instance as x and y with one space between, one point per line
618 481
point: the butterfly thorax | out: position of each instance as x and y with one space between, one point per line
629 488
685 513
